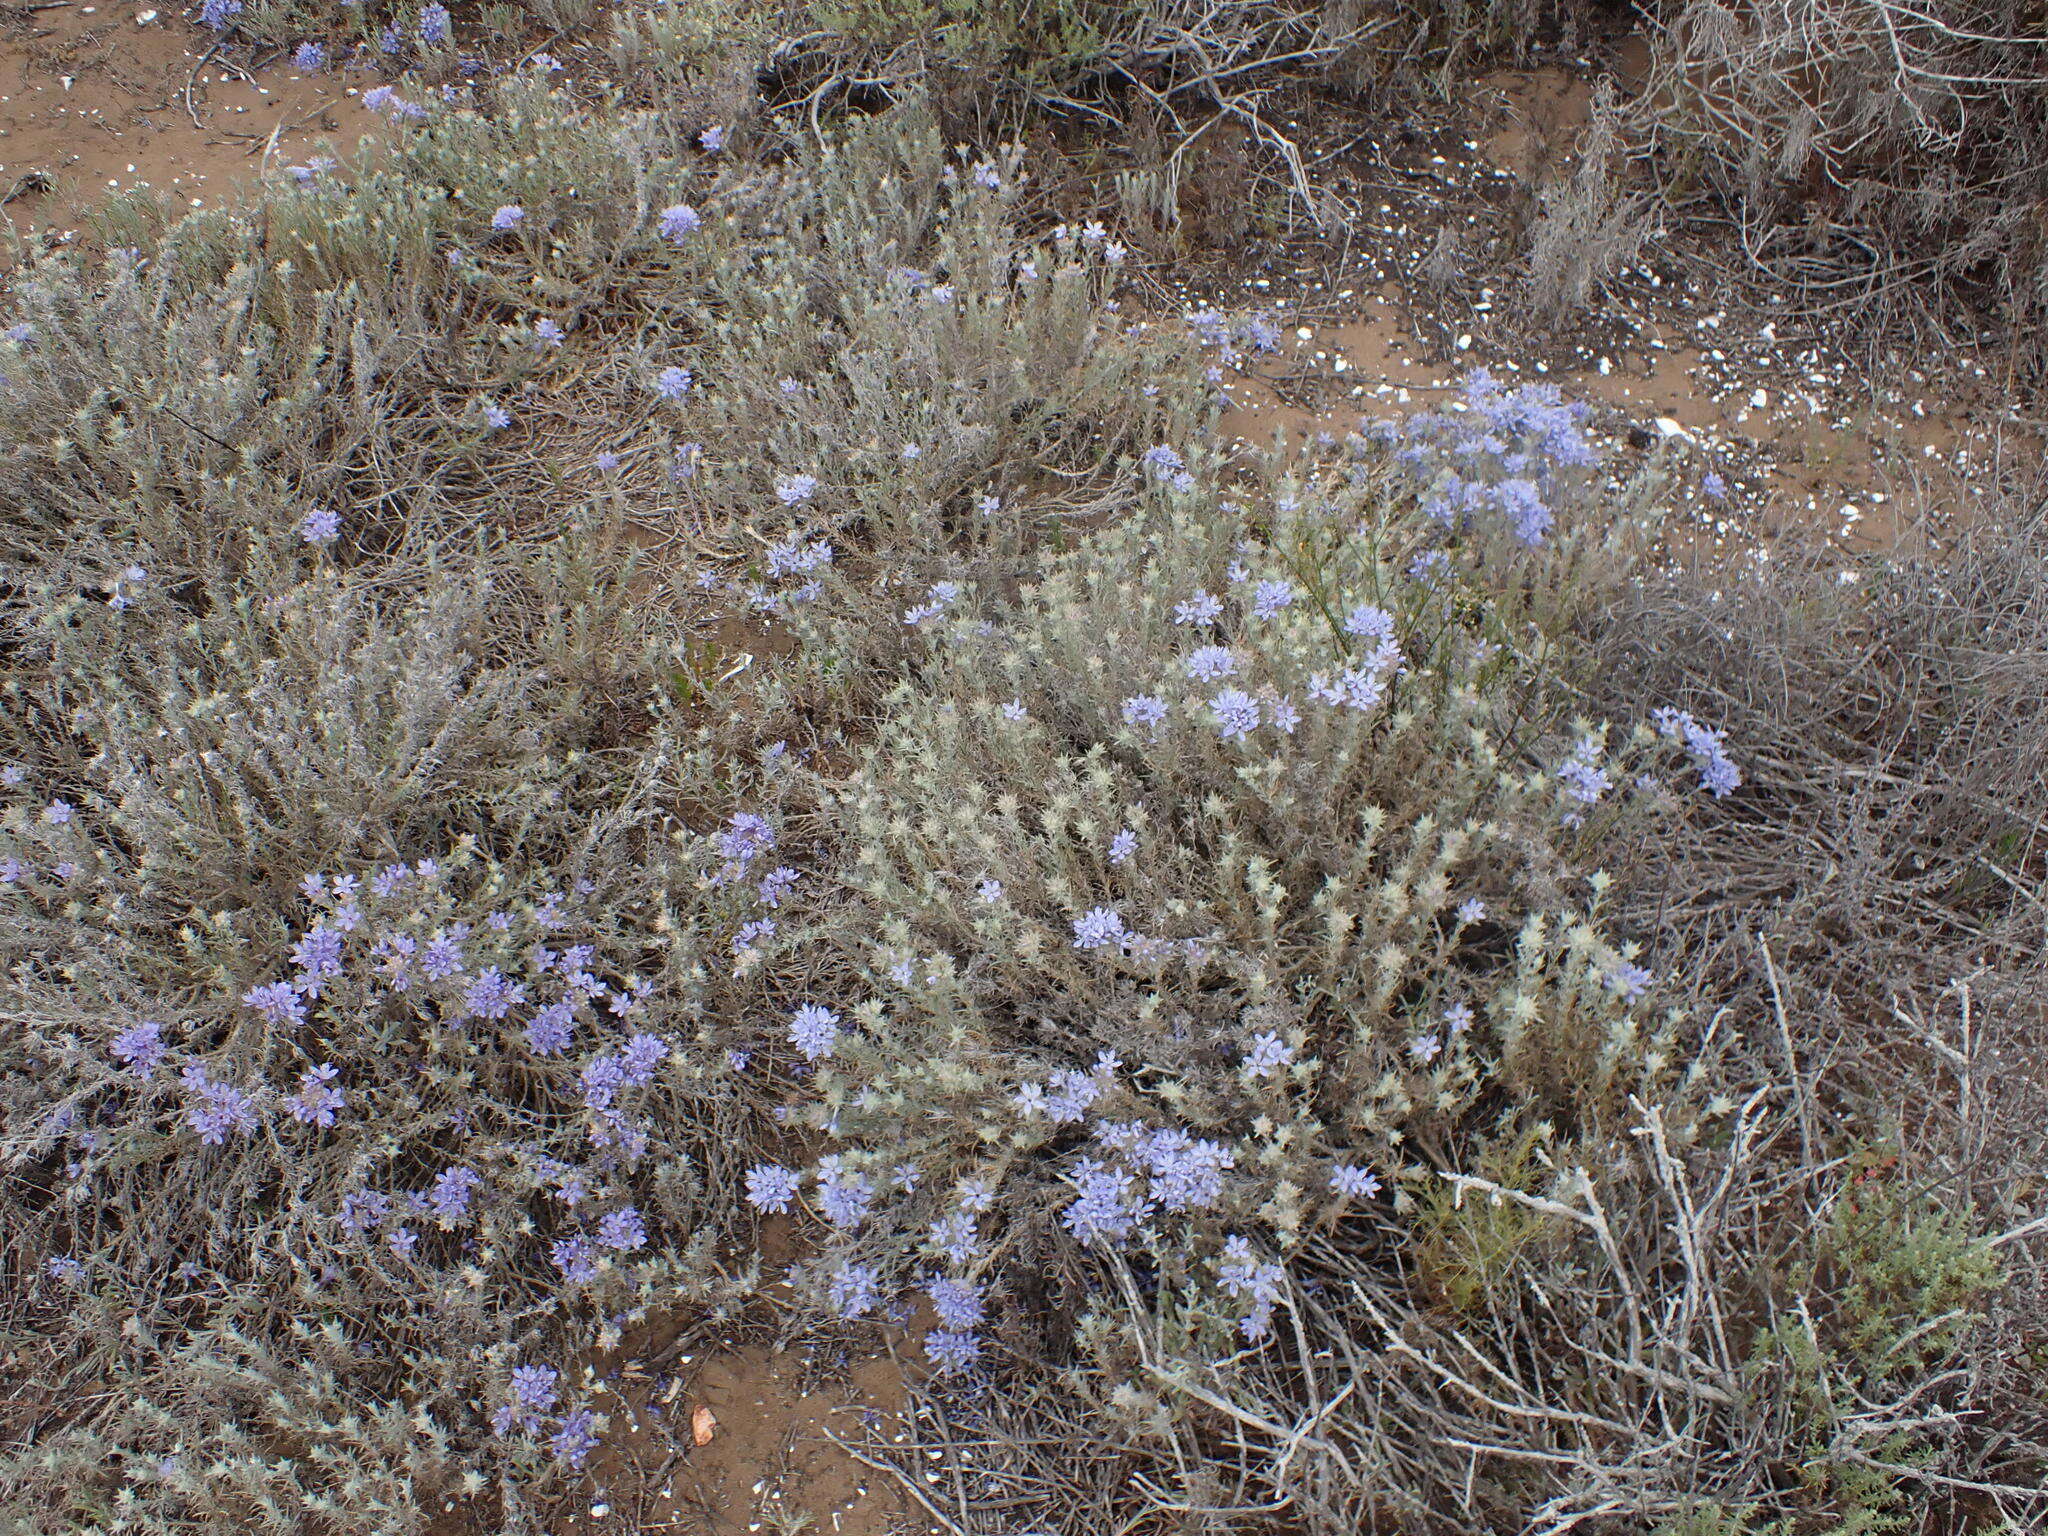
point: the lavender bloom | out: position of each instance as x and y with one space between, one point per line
852 1291
309 58
623 1230
217 14
141 1048
1200 609
990 891
637 1062
953 1235
1426 1048
1628 979
58 813
1262 333
1097 928
1267 1055
1471 910
602 1078
1712 483
318 954
402 1241
678 220
575 1257
937 600
491 996
436 26
533 1387
510 216
442 957
1210 663
362 1211
278 1002
771 1188
957 1303
776 885
951 1351
547 333
317 1101
1361 688
712 139
814 1030
1237 713
1269 597
844 1196
1282 715
1122 846
450 1193
1707 749
673 383
1585 781
1107 1205
68 1270
1162 460
796 488
1241 1274
533 1394
1523 503
222 1107
1072 1095
1144 709
1186 1172
1353 1182
496 416
1458 1018
792 556
1369 622
547 1033
576 1439
383 98
749 835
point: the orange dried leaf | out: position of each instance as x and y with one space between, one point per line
703 1425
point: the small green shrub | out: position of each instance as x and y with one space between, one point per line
1224 864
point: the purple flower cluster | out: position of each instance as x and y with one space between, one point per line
678 221
1259 1284
1707 748
141 1048
844 1196
216 1110
318 1100
1585 781
533 1394
771 1188
814 1030
1507 452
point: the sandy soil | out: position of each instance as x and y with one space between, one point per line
96 99
1806 439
